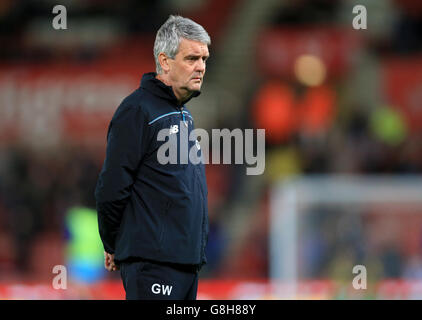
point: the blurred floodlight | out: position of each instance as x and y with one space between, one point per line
310 70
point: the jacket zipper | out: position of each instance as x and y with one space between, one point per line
202 247
183 116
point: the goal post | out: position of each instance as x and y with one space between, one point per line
294 201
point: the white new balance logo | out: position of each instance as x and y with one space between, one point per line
174 129
164 289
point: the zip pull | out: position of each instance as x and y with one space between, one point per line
183 117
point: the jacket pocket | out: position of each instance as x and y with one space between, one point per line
163 222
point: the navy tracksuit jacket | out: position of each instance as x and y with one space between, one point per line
146 209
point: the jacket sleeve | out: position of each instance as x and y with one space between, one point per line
125 149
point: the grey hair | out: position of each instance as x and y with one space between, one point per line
170 33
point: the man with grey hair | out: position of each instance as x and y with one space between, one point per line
153 217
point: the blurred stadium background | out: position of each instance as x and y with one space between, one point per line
342 109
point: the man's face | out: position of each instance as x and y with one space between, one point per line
187 69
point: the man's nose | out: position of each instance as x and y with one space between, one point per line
200 66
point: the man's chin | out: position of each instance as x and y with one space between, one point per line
195 88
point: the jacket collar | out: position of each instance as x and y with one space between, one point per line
150 83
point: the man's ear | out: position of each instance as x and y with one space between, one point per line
164 62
